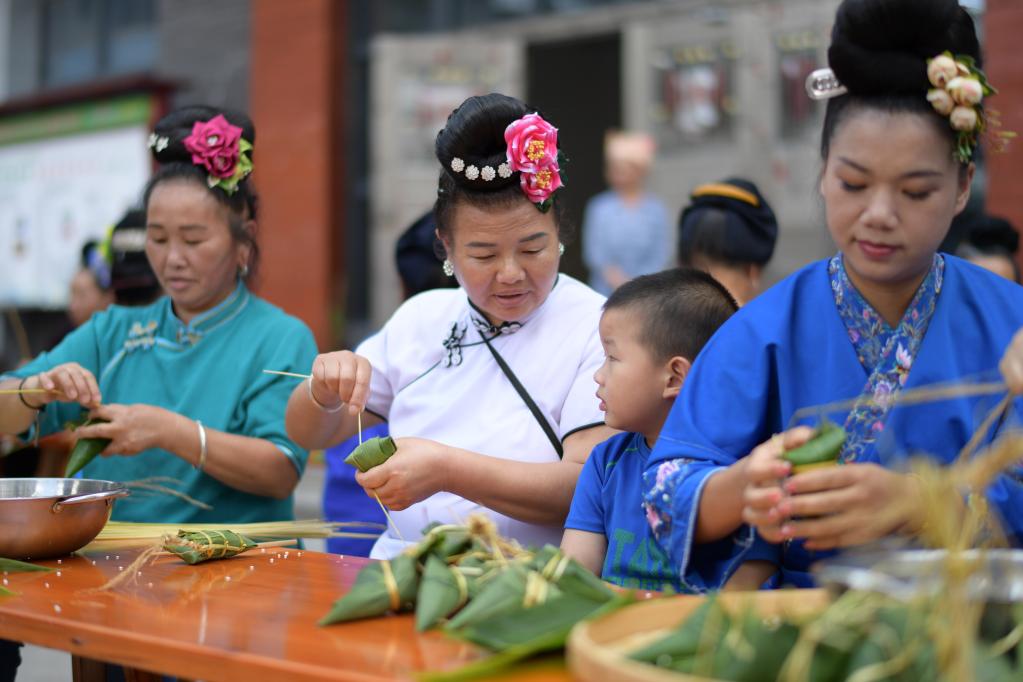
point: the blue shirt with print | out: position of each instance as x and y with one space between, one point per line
609 500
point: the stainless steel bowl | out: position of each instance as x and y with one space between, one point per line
995 575
43 518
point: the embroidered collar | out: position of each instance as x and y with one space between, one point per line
486 327
207 321
480 321
886 354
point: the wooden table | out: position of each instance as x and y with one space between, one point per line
252 617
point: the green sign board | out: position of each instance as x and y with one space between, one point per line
76 119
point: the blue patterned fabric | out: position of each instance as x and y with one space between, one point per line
790 349
886 354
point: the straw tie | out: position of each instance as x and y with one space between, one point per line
391 584
377 497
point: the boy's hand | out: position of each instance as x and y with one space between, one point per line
765 471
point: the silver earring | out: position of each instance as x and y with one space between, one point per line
449 267
243 271
561 249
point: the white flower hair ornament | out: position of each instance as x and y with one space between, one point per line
957 93
958 89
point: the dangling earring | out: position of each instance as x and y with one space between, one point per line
243 271
561 249
449 267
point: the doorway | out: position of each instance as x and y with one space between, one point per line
577 85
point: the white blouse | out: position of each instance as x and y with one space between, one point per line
434 378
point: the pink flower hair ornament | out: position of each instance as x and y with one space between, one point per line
533 152
219 147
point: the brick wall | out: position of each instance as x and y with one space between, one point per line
295 81
1003 25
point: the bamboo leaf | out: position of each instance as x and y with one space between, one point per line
376 593
195 547
14 566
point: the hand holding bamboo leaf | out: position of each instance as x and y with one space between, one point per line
130 429
413 473
763 472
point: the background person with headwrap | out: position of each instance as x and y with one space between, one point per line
626 230
729 231
131 277
991 242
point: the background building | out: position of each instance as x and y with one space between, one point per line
348 96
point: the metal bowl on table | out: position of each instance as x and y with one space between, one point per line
44 518
992 577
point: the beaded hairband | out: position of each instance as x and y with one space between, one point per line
532 152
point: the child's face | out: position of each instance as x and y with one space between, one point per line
891 189
633 387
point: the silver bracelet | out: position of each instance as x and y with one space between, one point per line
323 408
202 445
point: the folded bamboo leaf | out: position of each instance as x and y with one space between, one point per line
553 640
452 542
522 625
15 566
442 591
372 453
685 640
486 668
821 450
380 587
85 450
515 586
204 545
884 639
571 576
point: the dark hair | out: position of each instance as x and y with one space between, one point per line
415 254
474 132
727 222
176 163
93 262
989 235
879 51
680 310
131 275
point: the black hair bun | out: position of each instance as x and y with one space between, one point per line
881 47
167 143
474 135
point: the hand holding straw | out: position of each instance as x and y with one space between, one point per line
382 507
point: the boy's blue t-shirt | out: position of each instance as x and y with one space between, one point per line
609 500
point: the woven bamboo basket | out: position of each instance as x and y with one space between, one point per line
598 649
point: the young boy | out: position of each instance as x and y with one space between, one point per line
652 329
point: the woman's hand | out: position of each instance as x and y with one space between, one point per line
1012 364
130 428
413 473
341 377
765 473
845 505
69 383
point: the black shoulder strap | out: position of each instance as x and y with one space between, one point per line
526 398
